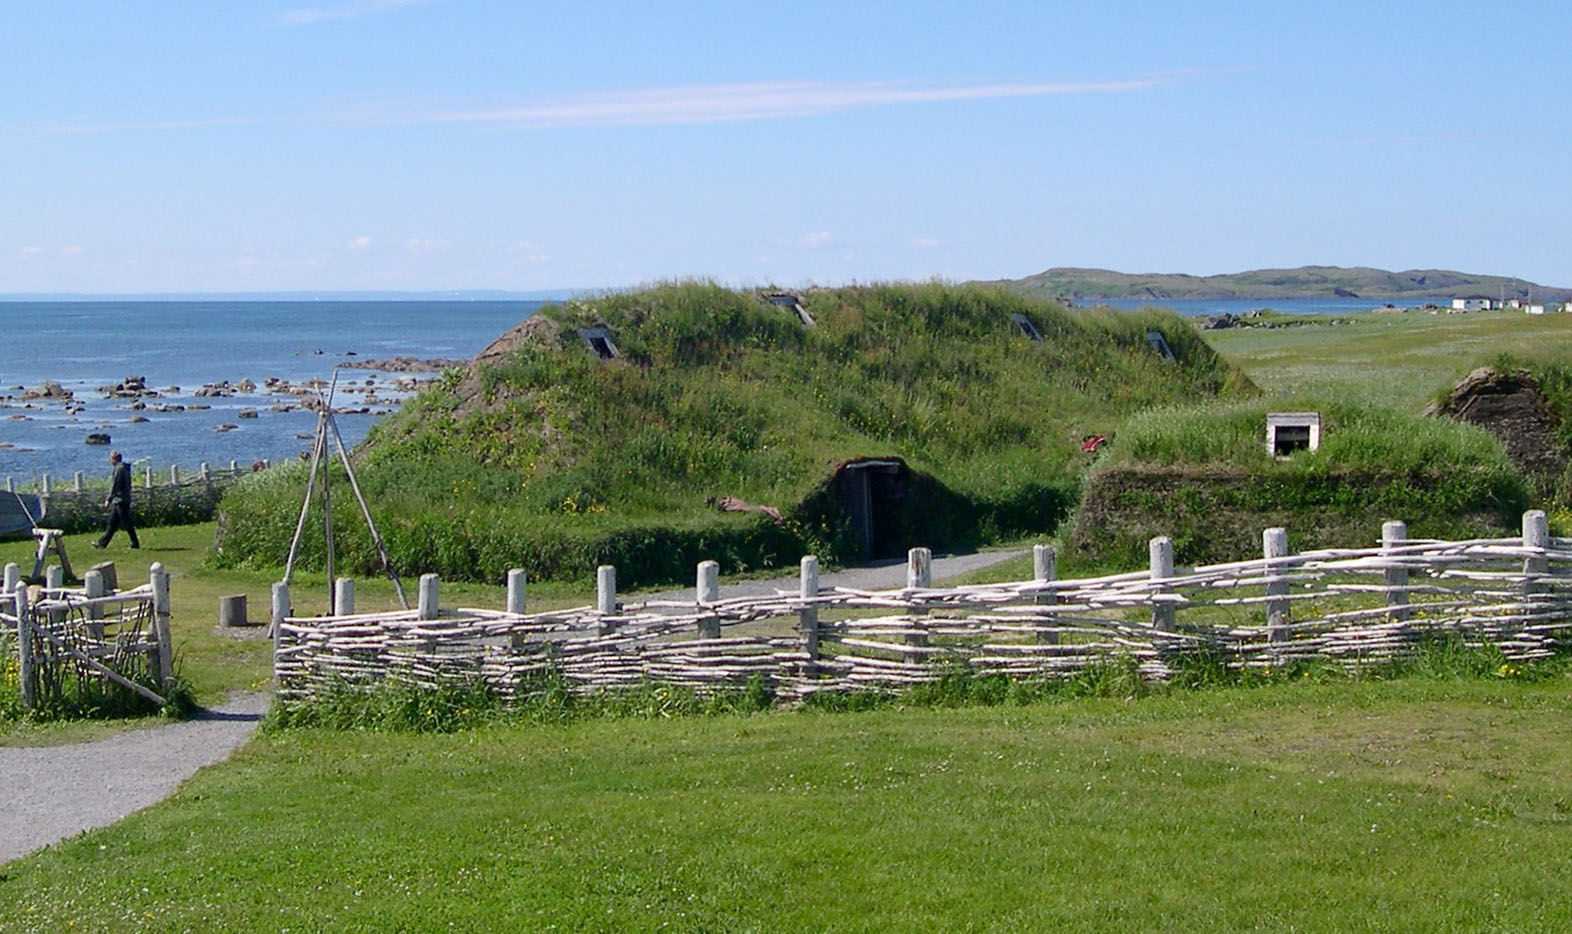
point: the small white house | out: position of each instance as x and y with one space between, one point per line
1534 309
1471 303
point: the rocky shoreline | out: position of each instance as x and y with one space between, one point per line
274 394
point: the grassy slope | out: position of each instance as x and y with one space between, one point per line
1416 805
564 461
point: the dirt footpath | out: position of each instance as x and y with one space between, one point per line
49 793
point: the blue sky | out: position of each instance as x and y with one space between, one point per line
468 144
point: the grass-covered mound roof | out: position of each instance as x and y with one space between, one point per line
1527 405
546 456
1204 477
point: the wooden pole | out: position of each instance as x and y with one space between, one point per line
344 596
1045 568
808 616
319 441
376 536
278 612
166 650
13 575
24 646
92 588
1161 552
516 582
1274 546
429 586
606 594
919 576
1536 536
1394 534
706 592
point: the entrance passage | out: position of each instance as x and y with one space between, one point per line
871 491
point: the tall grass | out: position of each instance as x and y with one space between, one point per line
556 460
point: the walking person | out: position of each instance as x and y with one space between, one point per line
119 502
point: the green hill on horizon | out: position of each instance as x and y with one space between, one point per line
1065 283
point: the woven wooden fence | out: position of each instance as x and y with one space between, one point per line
68 642
1352 606
170 498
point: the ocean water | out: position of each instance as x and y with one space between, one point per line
86 345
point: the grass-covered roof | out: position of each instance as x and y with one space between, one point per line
546 456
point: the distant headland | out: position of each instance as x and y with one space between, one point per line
1080 285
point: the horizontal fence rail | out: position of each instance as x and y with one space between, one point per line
1352 607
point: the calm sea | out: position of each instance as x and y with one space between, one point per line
85 345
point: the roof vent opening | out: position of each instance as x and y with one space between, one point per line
791 303
1026 326
599 340
1160 344
1289 432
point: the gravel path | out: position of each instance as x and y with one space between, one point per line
49 793
874 577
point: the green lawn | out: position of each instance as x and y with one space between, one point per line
1401 360
1410 805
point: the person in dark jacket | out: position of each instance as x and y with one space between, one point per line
119 502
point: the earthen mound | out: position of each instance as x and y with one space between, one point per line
1510 405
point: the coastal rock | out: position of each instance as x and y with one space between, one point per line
227 426
405 364
49 390
137 419
246 386
246 413
97 437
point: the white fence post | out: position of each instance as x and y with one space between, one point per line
706 592
344 596
166 650
808 616
1161 552
76 481
919 576
1394 534
13 576
1274 546
92 588
1045 569
147 476
516 582
278 611
1536 536
24 646
428 606
54 579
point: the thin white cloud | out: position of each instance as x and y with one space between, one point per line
817 240
730 103
360 244
691 104
925 243
31 250
313 15
418 245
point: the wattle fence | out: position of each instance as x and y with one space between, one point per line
167 498
71 643
1353 607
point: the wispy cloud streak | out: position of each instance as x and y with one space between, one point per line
693 104
731 103
312 16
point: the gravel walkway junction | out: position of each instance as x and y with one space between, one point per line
52 793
